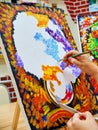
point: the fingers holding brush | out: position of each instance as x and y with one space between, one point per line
82 61
69 59
74 57
75 54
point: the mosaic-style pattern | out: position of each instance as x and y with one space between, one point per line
88 29
34 39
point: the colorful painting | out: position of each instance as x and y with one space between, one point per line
88 29
34 39
93 5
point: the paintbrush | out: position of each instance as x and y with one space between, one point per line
70 109
82 53
67 108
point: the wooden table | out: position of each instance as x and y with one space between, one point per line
6 117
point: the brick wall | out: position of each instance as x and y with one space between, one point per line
76 7
6 80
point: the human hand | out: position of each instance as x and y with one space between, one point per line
83 62
82 121
80 61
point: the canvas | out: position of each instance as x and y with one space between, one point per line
34 39
88 31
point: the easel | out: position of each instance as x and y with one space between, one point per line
16 116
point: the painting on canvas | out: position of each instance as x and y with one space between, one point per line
88 30
34 39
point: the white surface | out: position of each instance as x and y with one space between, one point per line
72 26
4 95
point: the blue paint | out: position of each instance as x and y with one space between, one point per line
75 70
51 46
59 38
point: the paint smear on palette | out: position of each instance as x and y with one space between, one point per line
33 47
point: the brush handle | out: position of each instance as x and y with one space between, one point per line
67 108
79 54
82 53
72 110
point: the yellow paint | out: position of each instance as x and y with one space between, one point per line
49 73
41 18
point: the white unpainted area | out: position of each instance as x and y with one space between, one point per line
73 27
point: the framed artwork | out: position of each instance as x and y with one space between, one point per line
33 40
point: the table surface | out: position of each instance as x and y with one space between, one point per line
6 117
